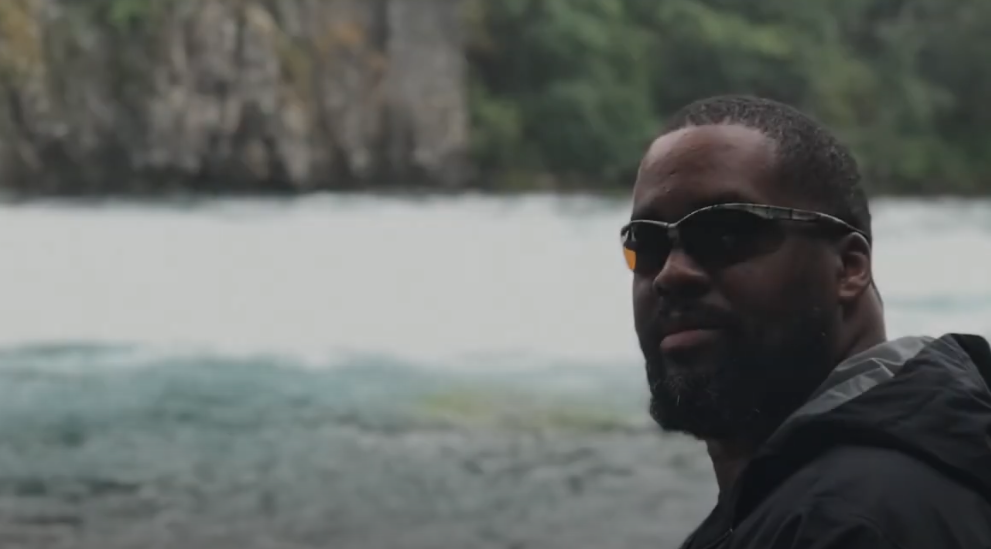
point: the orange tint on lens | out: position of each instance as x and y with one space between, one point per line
631 258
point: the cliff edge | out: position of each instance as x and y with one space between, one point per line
121 96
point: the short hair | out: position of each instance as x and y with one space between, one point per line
810 159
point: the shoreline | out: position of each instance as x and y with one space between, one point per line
411 194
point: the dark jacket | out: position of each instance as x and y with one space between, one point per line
892 451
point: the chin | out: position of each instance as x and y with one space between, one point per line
684 372
720 391
705 399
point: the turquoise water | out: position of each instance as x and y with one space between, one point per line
366 372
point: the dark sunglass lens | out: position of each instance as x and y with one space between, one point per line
649 246
726 236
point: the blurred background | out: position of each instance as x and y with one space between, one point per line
346 273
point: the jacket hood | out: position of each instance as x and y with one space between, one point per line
926 397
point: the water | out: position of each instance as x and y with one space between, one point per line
366 372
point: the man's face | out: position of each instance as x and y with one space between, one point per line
731 347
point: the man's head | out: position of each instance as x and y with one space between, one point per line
744 312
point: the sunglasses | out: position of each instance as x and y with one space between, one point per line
721 235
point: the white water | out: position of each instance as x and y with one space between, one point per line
470 281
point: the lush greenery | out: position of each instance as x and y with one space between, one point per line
568 92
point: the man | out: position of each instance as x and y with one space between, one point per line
763 334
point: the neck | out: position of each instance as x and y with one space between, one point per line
867 333
728 459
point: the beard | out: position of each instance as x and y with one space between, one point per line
750 385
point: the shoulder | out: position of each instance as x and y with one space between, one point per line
877 495
878 481
818 524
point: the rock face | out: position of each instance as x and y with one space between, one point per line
101 96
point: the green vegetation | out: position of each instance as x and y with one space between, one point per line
20 47
569 92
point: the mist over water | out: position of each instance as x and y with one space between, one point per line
367 371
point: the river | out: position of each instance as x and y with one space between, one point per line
355 371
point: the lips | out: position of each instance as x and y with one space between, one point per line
680 334
676 325
688 339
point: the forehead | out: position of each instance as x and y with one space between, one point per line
704 165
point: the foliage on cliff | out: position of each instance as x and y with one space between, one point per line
572 90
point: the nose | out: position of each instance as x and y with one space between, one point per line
681 277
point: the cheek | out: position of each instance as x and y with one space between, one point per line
644 302
777 289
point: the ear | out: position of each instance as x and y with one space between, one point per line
854 273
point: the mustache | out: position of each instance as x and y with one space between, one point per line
675 317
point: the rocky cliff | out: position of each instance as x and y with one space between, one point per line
101 96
